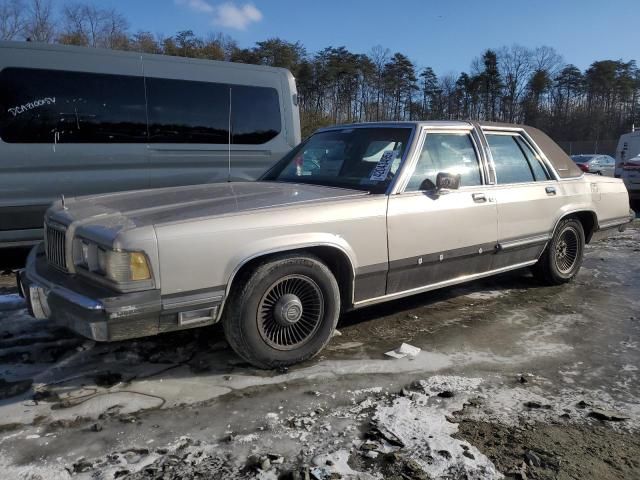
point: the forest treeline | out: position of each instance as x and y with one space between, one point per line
511 83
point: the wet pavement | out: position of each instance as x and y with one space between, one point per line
501 358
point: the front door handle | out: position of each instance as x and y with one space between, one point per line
479 197
550 190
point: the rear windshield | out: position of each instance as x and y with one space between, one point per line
358 158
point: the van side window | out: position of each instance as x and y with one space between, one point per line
255 114
54 106
446 152
182 111
515 162
47 106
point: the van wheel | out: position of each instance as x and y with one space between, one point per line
282 312
562 258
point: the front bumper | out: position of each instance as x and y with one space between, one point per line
98 313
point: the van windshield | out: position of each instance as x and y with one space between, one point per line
359 158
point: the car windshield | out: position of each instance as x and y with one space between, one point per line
362 158
582 158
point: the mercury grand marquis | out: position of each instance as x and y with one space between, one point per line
353 216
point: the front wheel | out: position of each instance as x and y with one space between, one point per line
282 312
562 258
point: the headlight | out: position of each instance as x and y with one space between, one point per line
85 252
117 266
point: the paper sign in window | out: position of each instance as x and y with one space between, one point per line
381 170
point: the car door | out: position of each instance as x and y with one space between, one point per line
438 237
528 198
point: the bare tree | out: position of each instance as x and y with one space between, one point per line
380 57
40 24
12 18
89 25
516 66
546 58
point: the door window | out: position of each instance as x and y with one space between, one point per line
514 160
446 152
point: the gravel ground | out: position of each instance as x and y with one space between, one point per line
513 380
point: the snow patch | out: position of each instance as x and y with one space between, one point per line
487 294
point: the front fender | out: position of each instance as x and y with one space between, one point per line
286 243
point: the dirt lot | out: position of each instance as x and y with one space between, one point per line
514 379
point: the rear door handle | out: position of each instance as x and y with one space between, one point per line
550 190
479 197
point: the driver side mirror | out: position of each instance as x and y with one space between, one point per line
446 182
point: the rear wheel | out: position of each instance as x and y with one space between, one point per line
282 312
562 258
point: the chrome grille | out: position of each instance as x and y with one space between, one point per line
54 243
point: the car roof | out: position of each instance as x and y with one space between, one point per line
398 123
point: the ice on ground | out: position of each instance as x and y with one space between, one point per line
11 302
43 471
330 464
419 425
405 350
487 294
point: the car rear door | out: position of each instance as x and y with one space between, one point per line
434 238
528 198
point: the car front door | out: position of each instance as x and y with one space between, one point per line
528 198
439 236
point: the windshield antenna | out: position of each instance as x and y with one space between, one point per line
229 139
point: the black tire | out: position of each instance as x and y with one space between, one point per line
260 318
562 258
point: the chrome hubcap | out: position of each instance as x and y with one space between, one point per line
290 312
566 250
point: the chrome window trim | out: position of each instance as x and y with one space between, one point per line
424 131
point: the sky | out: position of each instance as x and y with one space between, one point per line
445 35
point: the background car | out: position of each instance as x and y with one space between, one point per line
598 164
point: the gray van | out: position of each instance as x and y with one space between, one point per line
77 121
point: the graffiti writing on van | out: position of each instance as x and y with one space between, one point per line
15 111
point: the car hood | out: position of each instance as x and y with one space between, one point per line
123 210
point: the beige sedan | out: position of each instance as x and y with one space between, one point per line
354 216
